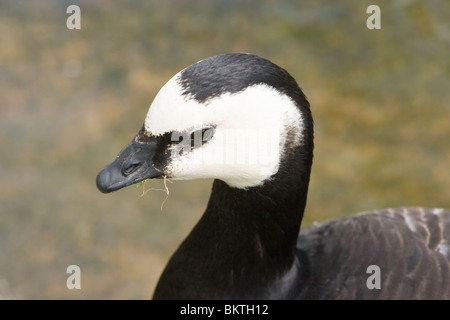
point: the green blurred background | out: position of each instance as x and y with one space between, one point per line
71 99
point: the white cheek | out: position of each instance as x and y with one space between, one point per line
242 158
250 135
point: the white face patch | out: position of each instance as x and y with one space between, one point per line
250 129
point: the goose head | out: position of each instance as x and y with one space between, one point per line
233 117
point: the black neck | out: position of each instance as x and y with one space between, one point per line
244 244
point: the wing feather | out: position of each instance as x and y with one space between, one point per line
410 245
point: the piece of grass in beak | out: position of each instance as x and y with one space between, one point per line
166 190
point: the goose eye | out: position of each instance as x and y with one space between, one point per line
207 134
201 136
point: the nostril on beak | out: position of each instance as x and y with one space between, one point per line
130 168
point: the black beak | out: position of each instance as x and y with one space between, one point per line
132 165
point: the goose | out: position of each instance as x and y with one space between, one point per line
244 121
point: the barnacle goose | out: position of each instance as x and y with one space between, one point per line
244 121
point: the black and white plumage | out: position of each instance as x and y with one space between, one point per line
244 121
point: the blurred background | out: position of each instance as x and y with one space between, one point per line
71 99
